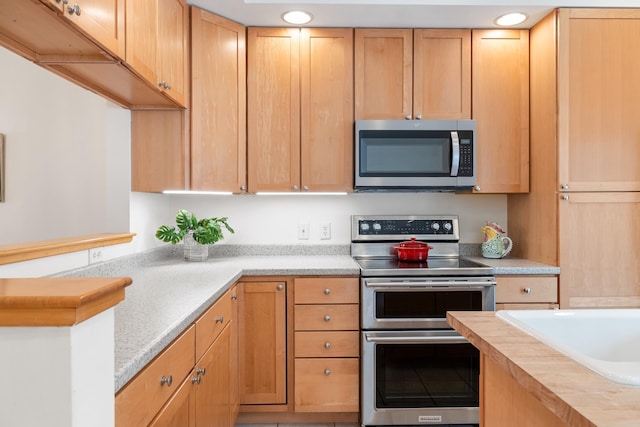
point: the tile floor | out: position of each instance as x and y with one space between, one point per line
300 425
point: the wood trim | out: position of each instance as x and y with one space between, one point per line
45 248
57 301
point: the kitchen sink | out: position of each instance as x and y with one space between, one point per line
606 341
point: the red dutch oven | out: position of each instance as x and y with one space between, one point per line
413 250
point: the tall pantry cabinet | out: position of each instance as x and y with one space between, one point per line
300 109
583 209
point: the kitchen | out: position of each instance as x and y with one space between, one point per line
108 205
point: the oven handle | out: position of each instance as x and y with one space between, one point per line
417 340
429 285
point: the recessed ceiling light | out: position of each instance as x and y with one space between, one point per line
510 19
297 17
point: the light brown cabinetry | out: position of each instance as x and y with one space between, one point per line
501 109
263 342
326 318
300 109
157 44
191 383
582 210
218 103
526 292
419 74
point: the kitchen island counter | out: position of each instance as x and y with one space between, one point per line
574 394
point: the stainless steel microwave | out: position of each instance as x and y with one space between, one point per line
437 155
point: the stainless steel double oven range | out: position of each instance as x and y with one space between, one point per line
415 369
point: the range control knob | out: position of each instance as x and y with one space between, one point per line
435 226
447 226
377 226
364 226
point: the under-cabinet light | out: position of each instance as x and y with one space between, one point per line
210 193
300 193
511 19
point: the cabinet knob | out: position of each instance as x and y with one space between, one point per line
295 188
565 186
477 188
234 297
74 10
327 291
327 318
419 117
166 380
196 379
327 345
407 117
243 188
280 287
219 319
327 372
527 290
305 188
162 84
201 371
565 197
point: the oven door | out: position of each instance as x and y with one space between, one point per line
419 377
422 303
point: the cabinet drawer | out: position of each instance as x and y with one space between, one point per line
212 322
326 317
327 385
141 399
327 344
521 289
329 290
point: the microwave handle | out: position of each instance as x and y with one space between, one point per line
455 156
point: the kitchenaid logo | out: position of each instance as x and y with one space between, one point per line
429 419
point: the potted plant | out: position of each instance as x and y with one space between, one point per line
196 234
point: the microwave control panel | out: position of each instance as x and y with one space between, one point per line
466 153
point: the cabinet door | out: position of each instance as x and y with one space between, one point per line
173 23
326 80
598 100
383 61
442 74
273 110
218 103
501 109
142 44
179 410
102 20
599 242
212 404
262 342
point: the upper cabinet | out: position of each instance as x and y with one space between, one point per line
157 44
598 100
84 42
300 109
218 104
412 74
501 110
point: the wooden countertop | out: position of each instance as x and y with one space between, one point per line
57 301
577 395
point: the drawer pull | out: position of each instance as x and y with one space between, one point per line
327 318
527 290
327 372
196 379
327 291
234 297
327 345
280 287
219 319
201 371
166 380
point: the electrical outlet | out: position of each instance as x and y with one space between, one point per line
303 231
95 255
325 231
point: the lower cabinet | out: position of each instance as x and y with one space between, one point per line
526 292
192 383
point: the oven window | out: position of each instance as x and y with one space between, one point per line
427 375
422 305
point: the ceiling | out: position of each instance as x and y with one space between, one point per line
395 13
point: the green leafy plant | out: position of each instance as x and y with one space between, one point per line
205 231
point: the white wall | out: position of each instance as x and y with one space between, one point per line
67 157
68 174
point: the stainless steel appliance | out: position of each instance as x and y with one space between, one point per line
415 369
415 154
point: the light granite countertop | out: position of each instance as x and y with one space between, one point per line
577 395
168 293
